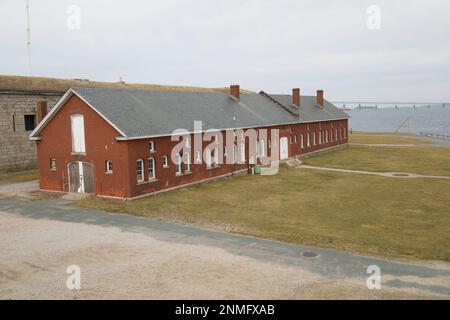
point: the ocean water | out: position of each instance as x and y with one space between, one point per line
433 119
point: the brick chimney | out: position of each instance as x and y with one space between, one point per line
296 97
41 111
320 98
234 91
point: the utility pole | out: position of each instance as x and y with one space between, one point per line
28 39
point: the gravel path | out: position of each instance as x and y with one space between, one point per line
127 257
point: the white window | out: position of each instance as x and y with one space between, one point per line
151 146
208 158
77 124
234 153
187 162
314 138
295 138
301 141
336 136
198 156
212 157
308 140
140 170
188 141
242 152
165 162
320 137
262 148
178 164
151 168
53 164
109 166
326 136
225 151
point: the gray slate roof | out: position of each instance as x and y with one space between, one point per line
309 111
139 113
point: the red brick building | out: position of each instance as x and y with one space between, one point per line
118 142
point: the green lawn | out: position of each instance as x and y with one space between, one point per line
383 133
423 160
18 176
366 214
377 139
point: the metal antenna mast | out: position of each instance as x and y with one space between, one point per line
28 39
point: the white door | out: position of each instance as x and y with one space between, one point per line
284 148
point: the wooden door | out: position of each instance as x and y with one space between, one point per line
81 177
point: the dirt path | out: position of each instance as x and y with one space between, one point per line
128 257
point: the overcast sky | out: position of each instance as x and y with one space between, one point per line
271 45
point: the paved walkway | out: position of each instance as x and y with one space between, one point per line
281 269
19 189
400 175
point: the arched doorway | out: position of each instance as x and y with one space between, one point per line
81 177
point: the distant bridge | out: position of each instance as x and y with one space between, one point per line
382 105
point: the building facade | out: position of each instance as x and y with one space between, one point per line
19 113
18 118
120 143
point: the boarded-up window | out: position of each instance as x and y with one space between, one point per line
78 143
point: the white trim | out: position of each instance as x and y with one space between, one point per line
49 115
58 106
110 197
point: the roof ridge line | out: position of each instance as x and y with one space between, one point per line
269 97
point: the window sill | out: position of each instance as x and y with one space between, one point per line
183 174
78 153
109 173
214 167
146 182
53 170
165 167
